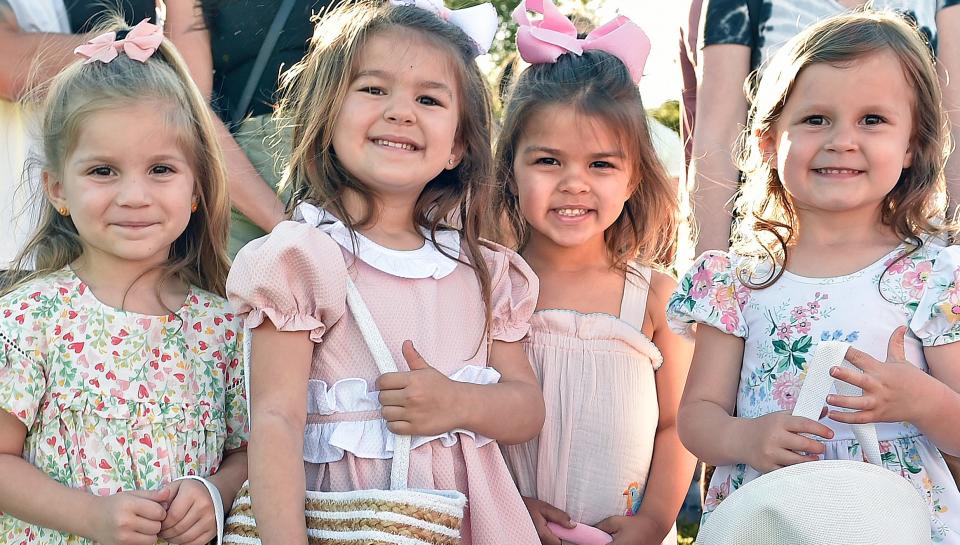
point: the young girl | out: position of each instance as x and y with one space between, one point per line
119 381
391 156
593 212
839 241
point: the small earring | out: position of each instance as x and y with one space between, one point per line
194 206
63 211
450 162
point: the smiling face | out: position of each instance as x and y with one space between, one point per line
844 135
397 128
572 178
128 185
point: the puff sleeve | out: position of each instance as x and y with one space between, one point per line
514 289
936 320
295 277
22 345
711 294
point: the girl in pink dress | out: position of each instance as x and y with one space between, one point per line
593 212
122 404
390 165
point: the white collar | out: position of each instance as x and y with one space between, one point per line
424 262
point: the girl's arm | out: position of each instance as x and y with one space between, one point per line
898 391
719 120
248 192
672 466
948 62
709 430
280 369
32 496
424 401
230 476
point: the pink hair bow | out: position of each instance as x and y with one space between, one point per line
139 44
480 22
542 42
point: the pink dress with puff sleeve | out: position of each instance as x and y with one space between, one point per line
295 277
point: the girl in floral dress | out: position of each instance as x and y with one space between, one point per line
123 412
593 213
841 239
391 164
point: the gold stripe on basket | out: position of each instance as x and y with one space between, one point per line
237 527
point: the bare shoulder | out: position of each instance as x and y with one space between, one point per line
662 286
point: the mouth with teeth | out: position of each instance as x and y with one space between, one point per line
847 171
572 212
395 145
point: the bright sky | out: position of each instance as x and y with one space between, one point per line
660 19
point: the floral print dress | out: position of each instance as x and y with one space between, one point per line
782 324
116 400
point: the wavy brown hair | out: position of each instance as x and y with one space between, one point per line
599 86
914 207
198 256
313 95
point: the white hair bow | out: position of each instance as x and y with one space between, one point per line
479 22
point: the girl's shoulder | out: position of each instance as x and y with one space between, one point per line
40 298
514 289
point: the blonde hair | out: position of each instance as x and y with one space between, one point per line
914 207
599 86
198 256
313 95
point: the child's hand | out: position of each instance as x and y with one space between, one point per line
130 518
773 441
635 530
890 389
191 518
542 512
419 402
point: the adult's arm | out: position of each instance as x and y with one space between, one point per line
720 117
948 57
249 193
30 58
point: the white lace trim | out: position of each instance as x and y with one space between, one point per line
425 262
327 442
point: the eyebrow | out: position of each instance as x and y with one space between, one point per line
552 151
427 84
107 159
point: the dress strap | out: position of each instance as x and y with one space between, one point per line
635 290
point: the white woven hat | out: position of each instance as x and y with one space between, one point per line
826 502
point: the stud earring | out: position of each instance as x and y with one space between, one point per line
450 162
63 211
194 206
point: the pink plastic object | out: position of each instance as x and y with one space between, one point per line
581 534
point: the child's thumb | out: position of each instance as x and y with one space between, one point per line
414 360
161 495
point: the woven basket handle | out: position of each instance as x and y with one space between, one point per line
385 363
813 394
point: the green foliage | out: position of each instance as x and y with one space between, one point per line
668 113
687 532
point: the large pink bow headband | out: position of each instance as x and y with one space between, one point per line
479 22
139 44
542 42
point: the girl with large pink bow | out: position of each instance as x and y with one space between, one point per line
587 203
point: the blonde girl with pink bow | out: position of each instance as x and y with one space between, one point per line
391 167
589 206
122 403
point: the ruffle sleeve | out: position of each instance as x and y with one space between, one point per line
710 294
295 277
22 345
514 289
936 320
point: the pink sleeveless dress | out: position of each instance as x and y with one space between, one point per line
597 372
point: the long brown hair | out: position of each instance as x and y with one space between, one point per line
198 256
599 86
913 208
313 95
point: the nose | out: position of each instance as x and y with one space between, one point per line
574 181
133 192
842 138
399 111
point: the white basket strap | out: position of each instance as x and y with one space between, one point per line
385 363
817 384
